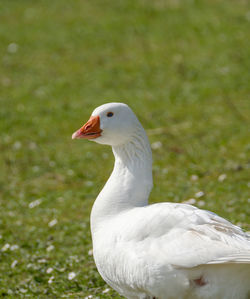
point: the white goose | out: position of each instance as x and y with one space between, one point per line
164 250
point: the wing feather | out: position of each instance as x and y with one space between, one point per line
183 236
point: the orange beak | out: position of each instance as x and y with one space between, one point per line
90 130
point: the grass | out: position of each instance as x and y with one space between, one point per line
183 66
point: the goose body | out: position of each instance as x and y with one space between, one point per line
164 250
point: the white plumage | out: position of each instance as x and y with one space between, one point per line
165 250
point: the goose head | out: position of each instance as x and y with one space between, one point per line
112 124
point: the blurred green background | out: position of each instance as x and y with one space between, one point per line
183 67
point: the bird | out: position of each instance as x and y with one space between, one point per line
162 250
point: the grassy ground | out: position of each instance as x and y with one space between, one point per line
183 66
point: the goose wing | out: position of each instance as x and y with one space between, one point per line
182 235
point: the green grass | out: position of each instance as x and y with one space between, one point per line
183 66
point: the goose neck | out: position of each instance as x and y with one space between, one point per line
130 183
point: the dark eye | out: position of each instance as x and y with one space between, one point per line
110 114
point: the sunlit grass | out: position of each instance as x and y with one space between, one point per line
183 66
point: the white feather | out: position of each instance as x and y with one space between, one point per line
163 250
